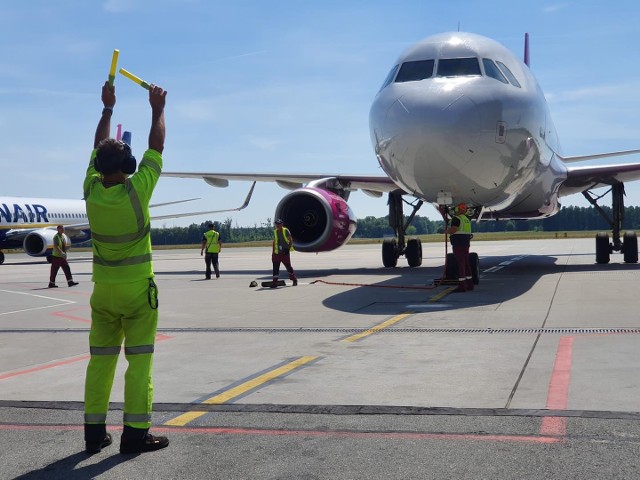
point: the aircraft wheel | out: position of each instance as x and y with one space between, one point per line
630 247
474 261
603 249
1 258
413 252
451 268
389 255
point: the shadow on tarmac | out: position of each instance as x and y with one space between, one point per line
65 468
494 287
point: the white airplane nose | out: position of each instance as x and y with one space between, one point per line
427 142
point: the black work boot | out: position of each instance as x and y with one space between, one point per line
139 440
96 438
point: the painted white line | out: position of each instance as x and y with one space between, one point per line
64 302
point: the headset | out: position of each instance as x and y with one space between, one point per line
127 163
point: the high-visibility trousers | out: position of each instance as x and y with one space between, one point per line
128 312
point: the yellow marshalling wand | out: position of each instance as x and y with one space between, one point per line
114 63
131 76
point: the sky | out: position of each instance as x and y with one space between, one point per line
281 86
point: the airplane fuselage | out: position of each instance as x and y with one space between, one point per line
29 223
461 117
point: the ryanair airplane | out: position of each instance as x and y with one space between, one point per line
30 223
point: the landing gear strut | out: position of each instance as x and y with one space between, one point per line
629 244
392 249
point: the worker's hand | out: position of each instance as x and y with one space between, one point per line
200 252
157 97
108 95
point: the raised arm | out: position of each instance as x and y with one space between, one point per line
104 125
157 98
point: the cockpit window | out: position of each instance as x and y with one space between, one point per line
458 67
415 71
492 70
508 73
390 76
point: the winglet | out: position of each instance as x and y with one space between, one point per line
248 199
526 50
192 214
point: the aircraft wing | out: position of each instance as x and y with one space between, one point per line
373 185
580 179
77 228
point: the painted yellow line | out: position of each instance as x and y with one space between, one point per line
377 328
238 390
442 294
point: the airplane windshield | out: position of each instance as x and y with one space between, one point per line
512 78
415 71
458 67
389 78
492 70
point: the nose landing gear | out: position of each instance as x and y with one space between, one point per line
393 248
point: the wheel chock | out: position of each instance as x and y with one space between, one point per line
280 283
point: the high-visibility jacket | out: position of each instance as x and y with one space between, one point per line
286 235
465 225
119 221
60 240
213 241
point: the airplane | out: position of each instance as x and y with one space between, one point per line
30 223
459 118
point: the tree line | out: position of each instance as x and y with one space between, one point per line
568 219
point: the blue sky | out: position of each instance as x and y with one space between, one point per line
257 86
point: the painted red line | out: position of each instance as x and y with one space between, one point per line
46 366
310 433
63 314
39 368
558 394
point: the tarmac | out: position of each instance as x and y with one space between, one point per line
359 372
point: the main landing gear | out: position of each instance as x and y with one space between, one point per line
393 248
1 258
629 244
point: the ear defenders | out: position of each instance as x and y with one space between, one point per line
127 163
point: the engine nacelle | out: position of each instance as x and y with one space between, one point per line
39 243
319 220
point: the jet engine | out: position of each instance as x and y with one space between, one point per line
319 220
39 243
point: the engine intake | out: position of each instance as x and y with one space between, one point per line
39 242
319 220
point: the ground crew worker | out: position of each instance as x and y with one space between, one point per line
460 236
125 300
59 259
213 245
282 246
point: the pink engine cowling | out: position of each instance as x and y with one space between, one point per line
319 220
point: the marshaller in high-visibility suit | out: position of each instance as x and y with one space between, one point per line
125 298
